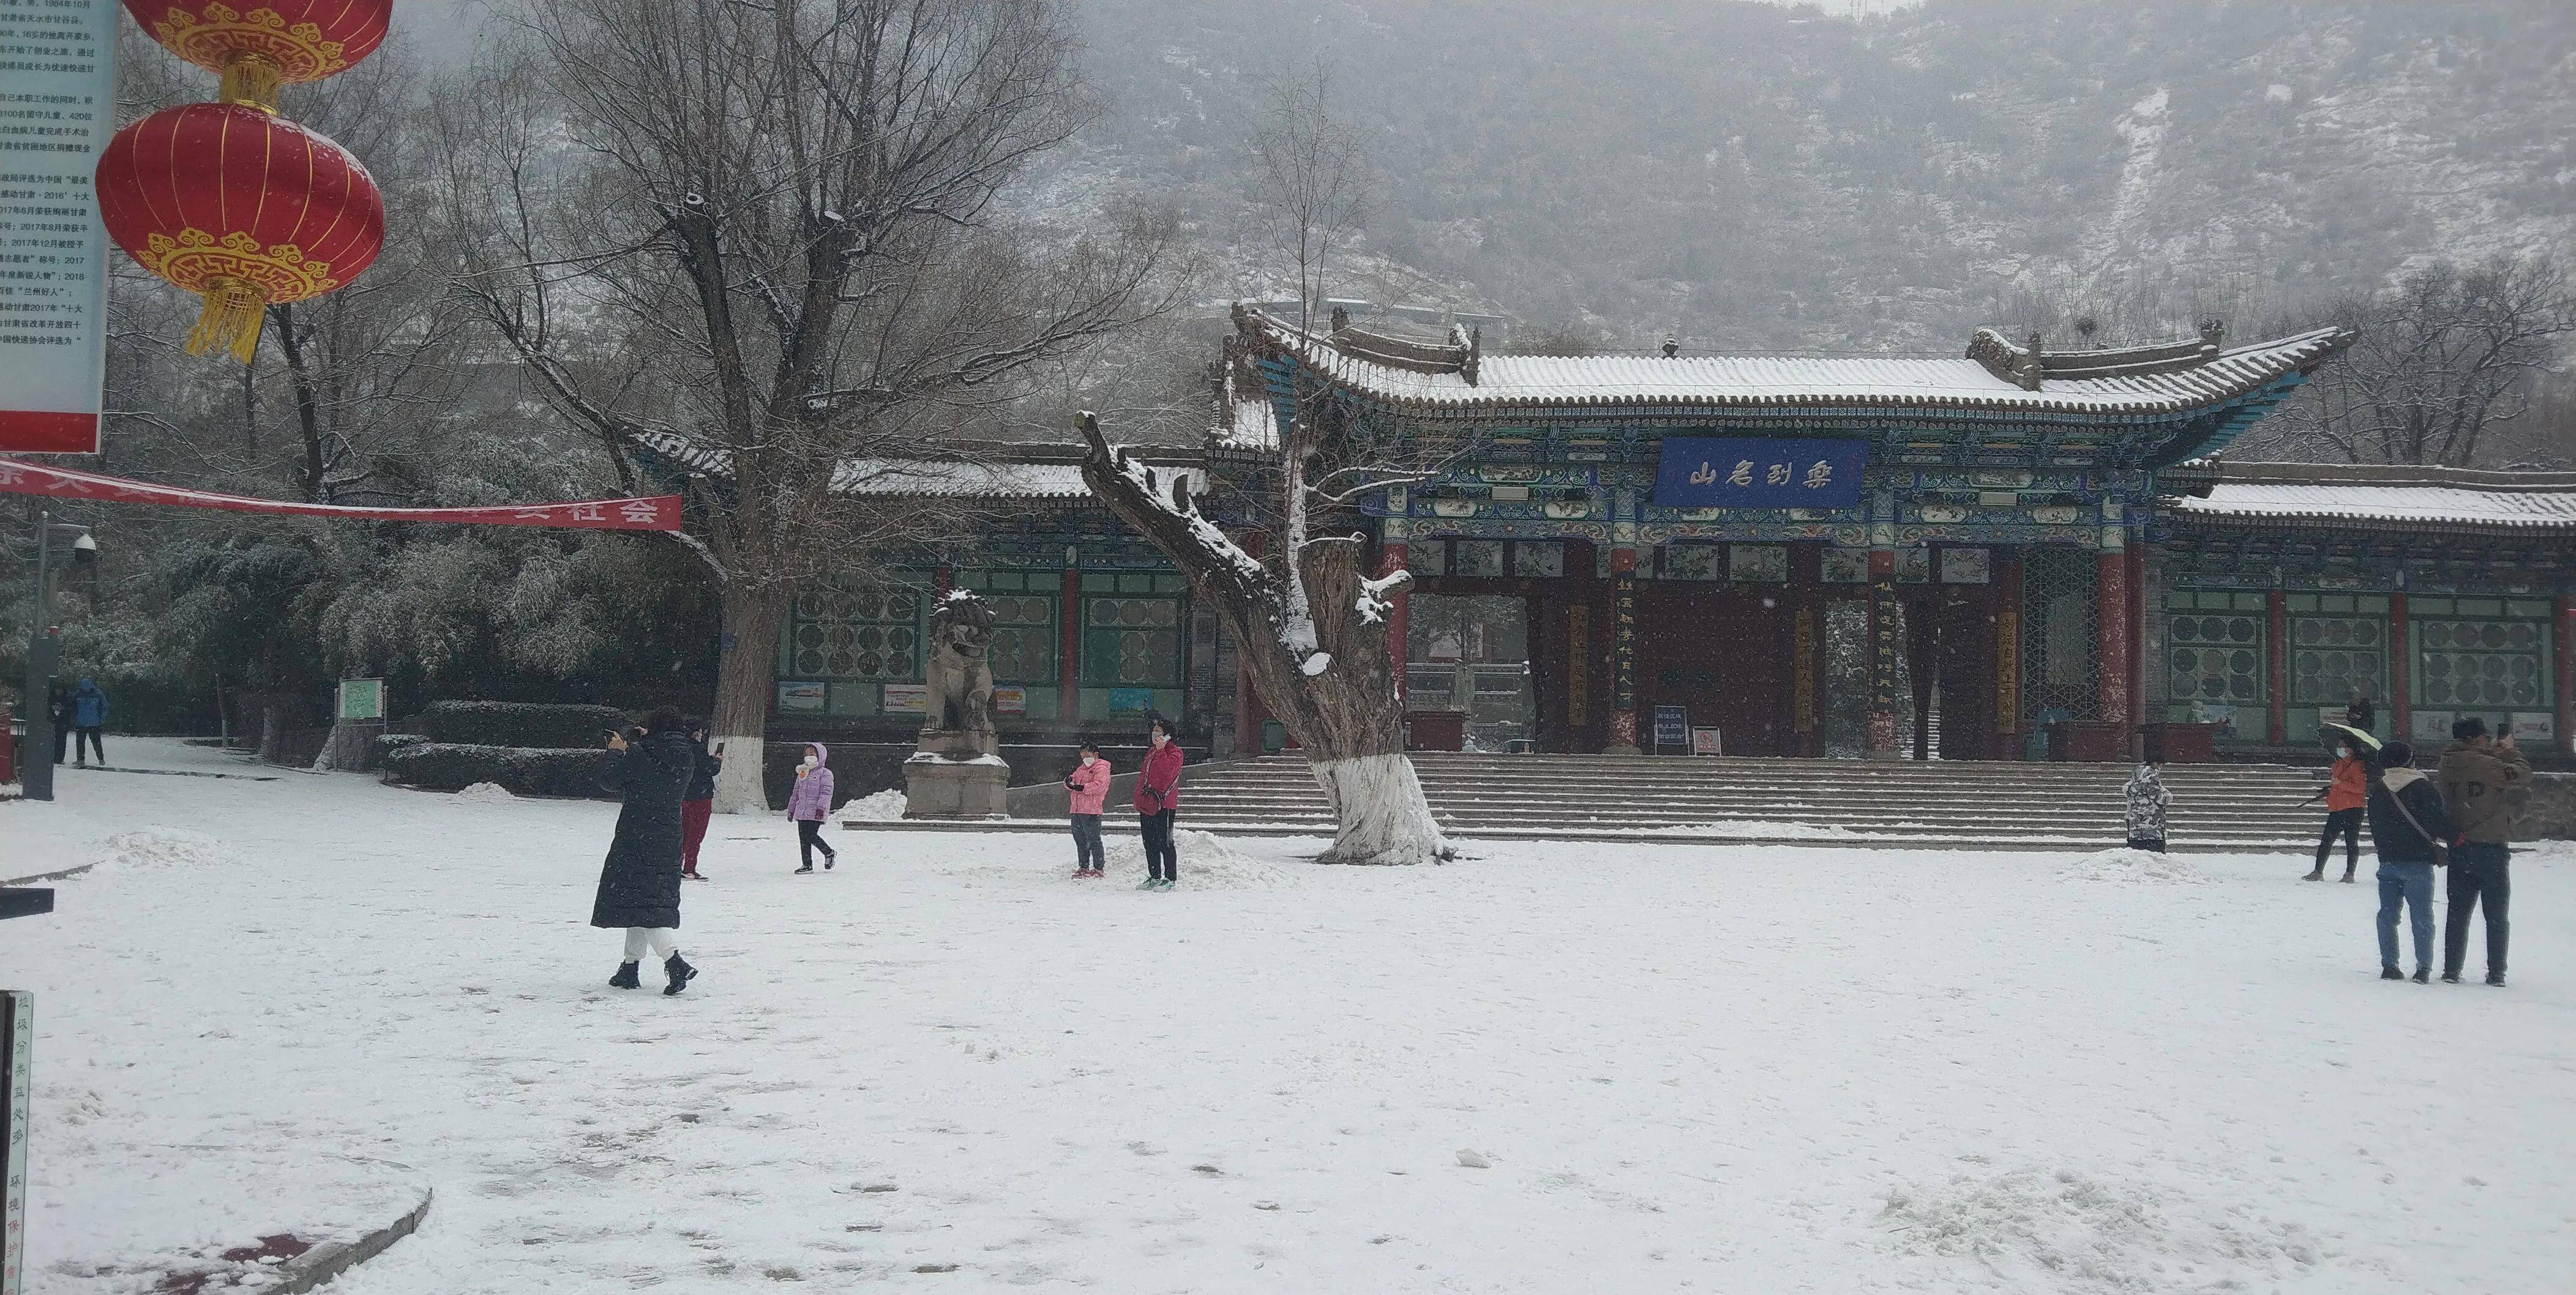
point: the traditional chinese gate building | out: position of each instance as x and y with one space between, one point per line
1963 556
1683 528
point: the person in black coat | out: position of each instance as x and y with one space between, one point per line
2407 827
639 886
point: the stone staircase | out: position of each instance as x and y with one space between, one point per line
1926 805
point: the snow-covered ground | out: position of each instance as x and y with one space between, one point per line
290 1004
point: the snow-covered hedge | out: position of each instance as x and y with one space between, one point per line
388 743
520 724
525 771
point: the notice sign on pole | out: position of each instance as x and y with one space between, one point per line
57 111
362 699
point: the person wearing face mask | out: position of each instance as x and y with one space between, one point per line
1088 786
810 804
2345 794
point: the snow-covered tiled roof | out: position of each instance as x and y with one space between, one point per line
1512 382
2411 497
1249 425
928 478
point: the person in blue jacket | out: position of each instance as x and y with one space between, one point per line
89 722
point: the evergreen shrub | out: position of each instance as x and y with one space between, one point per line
525 771
520 723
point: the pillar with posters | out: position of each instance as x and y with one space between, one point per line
57 112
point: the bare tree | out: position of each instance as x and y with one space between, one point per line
1313 172
370 370
2446 358
776 248
1328 677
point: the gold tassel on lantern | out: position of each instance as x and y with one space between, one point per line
230 320
250 80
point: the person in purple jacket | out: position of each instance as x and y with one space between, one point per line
810 804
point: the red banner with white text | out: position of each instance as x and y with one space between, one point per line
649 513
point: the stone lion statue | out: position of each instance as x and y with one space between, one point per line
960 673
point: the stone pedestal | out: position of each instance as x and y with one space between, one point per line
951 777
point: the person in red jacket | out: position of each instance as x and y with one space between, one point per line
2345 792
1088 786
1158 793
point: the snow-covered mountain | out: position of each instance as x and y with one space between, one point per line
1759 176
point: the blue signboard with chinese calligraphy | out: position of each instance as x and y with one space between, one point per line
1736 472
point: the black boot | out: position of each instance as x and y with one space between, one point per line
625 977
2390 972
681 974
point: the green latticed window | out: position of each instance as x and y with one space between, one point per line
2332 658
2215 657
857 633
1024 624
2482 663
1132 623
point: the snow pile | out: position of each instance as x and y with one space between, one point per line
158 847
882 807
1772 829
485 793
2137 867
1208 862
2063 1231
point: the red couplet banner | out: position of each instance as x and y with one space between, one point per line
648 513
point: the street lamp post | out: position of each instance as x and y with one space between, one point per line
44 647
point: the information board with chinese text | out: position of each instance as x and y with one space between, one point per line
57 112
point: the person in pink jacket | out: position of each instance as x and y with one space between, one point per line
1158 795
1089 785
810 804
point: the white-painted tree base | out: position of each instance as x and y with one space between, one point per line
738 784
1383 818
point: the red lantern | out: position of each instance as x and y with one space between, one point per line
271 42
234 204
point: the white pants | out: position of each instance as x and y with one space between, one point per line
663 941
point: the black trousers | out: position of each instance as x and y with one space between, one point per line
1087 852
2478 876
63 744
88 741
809 838
2347 822
1160 858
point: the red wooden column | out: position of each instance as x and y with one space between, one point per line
1623 651
2276 669
2008 652
2401 675
1248 711
2111 633
2566 654
942 579
1068 665
1399 616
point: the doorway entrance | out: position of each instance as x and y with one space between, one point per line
1470 652
1722 656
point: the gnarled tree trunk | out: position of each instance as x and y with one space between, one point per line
1339 697
746 672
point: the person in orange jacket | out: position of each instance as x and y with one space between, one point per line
2346 791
